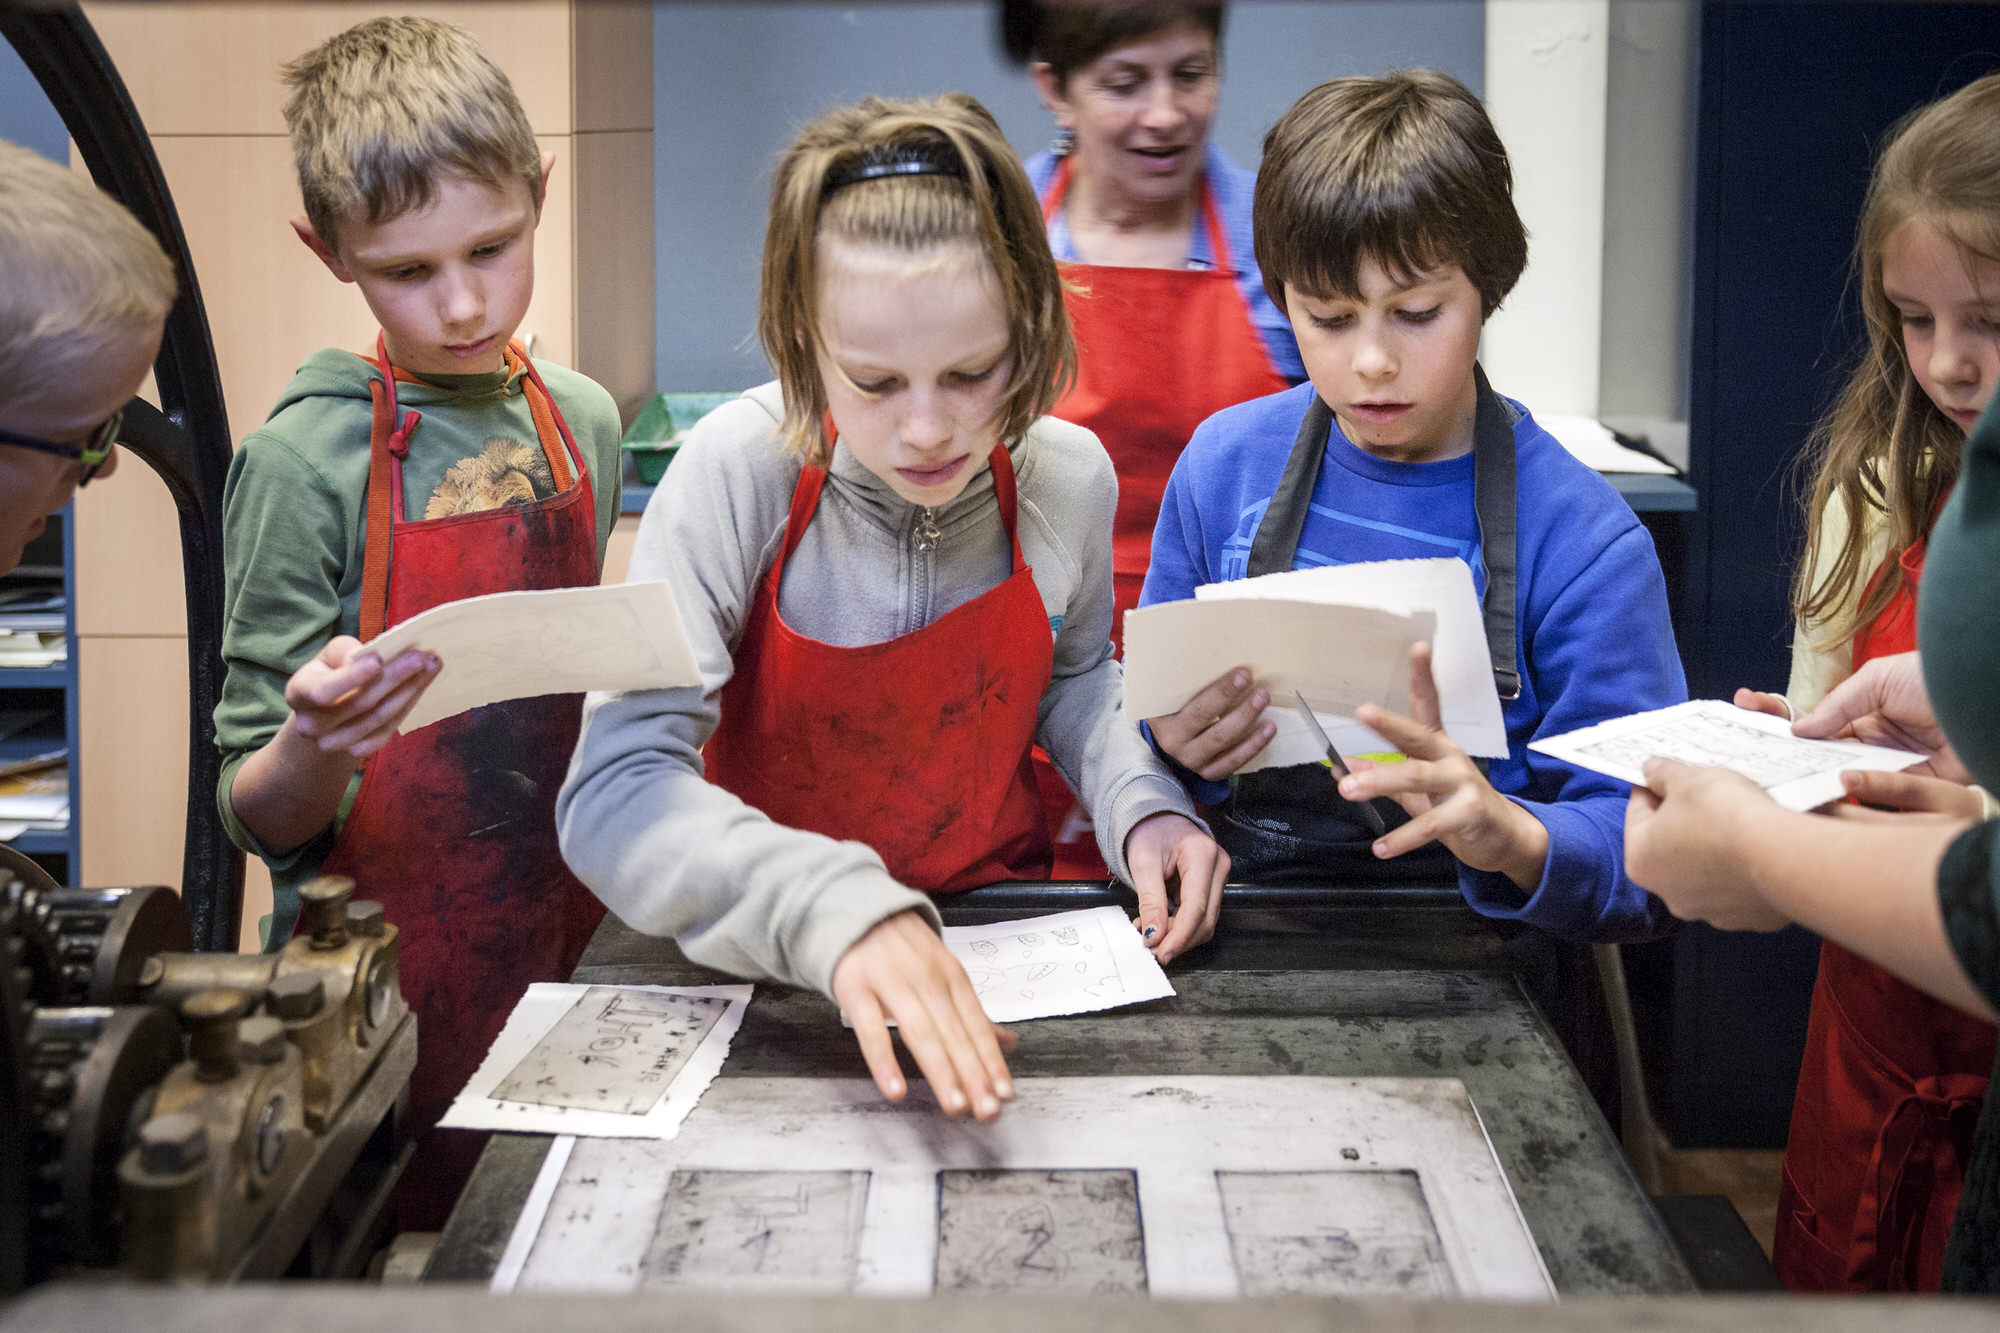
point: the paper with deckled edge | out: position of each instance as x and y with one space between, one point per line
1591 443
540 1010
1064 963
517 645
1797 772
1461 662
592 1229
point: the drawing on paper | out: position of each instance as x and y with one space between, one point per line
615 1050
1069 1231
761 1230
1701 738
1333 1233
1068 961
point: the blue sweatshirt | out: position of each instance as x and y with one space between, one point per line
1591 605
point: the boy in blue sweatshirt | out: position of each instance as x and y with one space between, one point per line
1386 231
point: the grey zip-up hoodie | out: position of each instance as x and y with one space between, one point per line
673 854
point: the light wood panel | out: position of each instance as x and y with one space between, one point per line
618 551
613 41
134 739
128 578
213 68
614 265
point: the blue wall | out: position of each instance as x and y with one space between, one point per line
732 82
26 118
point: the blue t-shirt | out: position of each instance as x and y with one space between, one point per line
1593 638
1234 189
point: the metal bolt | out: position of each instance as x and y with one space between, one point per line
365 919
296 995
150 973
325 901
261 1039
211 1016
169 1144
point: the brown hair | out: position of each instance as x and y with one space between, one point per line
379 111
989 206
1068 36
1405 170
1885 448
82 275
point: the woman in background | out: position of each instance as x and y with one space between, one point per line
1151 223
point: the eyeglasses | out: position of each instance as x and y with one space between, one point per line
91 453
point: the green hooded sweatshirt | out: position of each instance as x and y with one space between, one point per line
294 528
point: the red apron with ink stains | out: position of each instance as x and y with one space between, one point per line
917 746
1889 1090
1159 351
453 828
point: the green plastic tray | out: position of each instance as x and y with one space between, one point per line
660 428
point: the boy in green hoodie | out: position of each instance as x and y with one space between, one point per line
438 464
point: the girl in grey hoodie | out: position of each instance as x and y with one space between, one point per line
896 574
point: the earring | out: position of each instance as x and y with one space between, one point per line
1064 143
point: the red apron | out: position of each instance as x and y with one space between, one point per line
917 746
1889 1090
453 828
1159 351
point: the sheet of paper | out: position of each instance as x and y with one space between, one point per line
1799 774
616 1061
1461 663
1429 599
1064 963
1591 443
1200 1187
516 645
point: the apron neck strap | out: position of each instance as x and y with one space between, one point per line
1276 543
389 445
1211 217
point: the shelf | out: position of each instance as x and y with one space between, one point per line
35 678
43 842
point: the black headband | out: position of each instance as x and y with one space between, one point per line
878 163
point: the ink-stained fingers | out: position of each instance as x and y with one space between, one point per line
1192 922
1425 710
1149 883
1757 701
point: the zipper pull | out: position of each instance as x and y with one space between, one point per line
927 532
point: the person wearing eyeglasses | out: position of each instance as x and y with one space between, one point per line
84 295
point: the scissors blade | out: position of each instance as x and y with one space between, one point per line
1319 732
1339 765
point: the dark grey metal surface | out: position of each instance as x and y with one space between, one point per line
1373 983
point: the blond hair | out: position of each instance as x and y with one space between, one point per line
377 113
77 273
1885 451
988 204
1405 170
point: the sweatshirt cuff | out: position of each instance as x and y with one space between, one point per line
1583 893
1970 899
1199 788
829 925
1143 796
